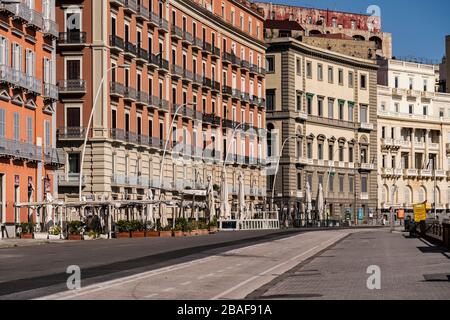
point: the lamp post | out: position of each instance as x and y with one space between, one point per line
122 66
394 191
278 166
328 179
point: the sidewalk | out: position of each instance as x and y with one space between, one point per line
12 243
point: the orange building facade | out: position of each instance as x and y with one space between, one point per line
28 157
186 74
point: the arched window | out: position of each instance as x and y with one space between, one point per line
436 195
394 195
384 194
422 194
407 196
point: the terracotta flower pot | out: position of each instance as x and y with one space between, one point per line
152 234
213 230
204 232
195 232
75 237
178 234
138 234
26 236
120 235
165 234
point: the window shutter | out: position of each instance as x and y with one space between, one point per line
2 123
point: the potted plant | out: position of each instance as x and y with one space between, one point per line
123 228
203 228
193 226
165 232
75 230
54 233
213 226
137 229
178 230
91 235
151 231
25 230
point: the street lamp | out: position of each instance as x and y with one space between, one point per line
328 179
121 66
278 165
167 143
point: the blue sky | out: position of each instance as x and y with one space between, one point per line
418 27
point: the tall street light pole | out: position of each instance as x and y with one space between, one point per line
83 152
278 166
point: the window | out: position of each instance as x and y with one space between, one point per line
299 101
341 153
330 75
270 63
299 66
353 24
341 77
351 184
425 110
270 98
331 183
411 83
320 72
425 85
341 110
47 133
74 163
397 107
364 114
350 111
2 123
309 150
330 108
334 22
364 184
341 183
350 79
383 132
299 181
320 151
16 126
330 152
309 104
309 69
396 82
320 107
363 81
350 154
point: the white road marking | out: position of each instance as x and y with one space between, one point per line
234 288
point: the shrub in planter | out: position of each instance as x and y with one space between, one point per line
91 235
213 226
75 229
137 229
25 230
165 232
151 230
54 233
123 228
178 231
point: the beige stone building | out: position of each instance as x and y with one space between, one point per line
326 101
414 138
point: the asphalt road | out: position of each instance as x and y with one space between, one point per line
35 271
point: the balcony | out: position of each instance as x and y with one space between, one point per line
236 94
56 157
176 72
50 92
163 65
72 39
254 69
367 127
206 83
426 95
142 55
36 21
305 161
70 180
116 90
187 38
245 97
116 44
176 32
398 92
130 94
215 86
152 61
441 174
20 150
366 167
197 44
229 124
245 65
261 103
142 98
411 173
142 12
34 85
130 6
227 91
426 173
50 29
188 76
130 50
413 94
163 25
67 87
212 119
186 112
21 12
153 19
302 115
71 133
206 47
164 106
215 52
